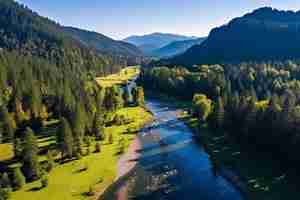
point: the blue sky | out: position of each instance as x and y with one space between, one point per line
121 18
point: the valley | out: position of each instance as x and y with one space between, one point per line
101 106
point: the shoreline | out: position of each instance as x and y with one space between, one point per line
126 162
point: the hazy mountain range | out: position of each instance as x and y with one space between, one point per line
154 41
176 48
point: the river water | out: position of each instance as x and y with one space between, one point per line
171 165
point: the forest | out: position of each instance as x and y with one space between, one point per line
47 83
257 103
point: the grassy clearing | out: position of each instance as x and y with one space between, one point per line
119 78
67 183
6 152
264 178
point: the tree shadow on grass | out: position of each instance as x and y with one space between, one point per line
35 189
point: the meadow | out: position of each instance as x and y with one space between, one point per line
68 181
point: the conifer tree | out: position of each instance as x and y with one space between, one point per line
65 139
138 96
31 165
18 148
99 124
7 124
217 119
79 125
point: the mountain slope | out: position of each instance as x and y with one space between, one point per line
149 43
28 33
176 48
104 44
264 34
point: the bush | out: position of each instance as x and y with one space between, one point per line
119 120
44 181
97 148
91 191
50 161
5 181
5 193
18 179
78 155
110 138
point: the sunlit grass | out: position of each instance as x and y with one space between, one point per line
119 78
67 183
6 152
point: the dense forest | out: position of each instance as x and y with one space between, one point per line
47 76
256 102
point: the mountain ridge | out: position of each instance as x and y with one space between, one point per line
150 42
176 48
264 34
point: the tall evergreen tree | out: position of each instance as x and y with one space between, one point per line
99 124
65 139
79 127
138 96
31 165
7 124
218 114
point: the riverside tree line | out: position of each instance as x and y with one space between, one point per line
258 104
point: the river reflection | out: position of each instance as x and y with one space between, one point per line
171 166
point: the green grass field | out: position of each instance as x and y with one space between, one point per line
6 152
119 78
66 182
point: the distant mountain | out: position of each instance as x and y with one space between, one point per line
264 34
176 48
151 42
104 44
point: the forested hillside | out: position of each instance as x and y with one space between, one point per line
264 34
123 51
51 107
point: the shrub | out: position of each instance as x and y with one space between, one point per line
119 120
5 193
110 138
18 179
5 181
91 191
50 161
44 181
97 148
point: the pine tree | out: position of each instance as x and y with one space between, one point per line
79 125
35 101
99 124
127 96
138 96
18 180
65 139
18 148
250 116
31 165
218 116
7 124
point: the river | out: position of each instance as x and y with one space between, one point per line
171 165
